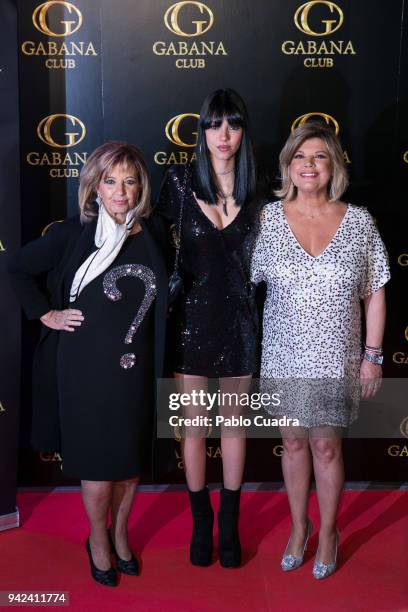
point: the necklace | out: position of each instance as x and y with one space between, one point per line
224 173
224 198
308 215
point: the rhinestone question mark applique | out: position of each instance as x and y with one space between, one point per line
111 291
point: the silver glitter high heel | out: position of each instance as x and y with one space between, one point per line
324 570
291 562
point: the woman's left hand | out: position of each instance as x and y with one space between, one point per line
370 378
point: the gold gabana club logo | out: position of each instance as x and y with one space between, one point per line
74 137
172 18
47 227
173 130
181 130
70 26
404 427
327 118
403 260
303 17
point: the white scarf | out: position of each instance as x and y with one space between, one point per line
109 238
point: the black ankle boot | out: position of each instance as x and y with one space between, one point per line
228 536
203 520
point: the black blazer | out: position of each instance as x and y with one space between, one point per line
59 254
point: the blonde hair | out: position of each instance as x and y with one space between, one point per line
99 164
313 129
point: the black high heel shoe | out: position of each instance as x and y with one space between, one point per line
131 567
105 577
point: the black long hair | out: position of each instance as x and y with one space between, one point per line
225 103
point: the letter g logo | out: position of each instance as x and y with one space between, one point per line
172 19
328 119
70 26
173 130
302 16
74 138
403 259
404 427
47 227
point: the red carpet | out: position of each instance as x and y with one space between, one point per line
47 553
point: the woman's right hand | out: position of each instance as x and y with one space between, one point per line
63 320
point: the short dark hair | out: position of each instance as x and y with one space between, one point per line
228 104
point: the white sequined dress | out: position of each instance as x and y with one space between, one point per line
311 347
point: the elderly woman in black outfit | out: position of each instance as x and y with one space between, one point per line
101 342
213 330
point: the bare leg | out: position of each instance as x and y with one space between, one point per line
297 469
193 443
97 496
326 446
233 447
233 461
122 500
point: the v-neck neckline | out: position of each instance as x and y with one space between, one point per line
219 229
328 245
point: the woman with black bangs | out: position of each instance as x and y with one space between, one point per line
213 327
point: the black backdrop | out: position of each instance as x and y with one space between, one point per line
9 239
139 70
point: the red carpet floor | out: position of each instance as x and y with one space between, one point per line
47 553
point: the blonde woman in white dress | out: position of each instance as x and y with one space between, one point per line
320 259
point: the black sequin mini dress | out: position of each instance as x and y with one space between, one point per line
213 330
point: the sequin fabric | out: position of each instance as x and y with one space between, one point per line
128 360
311 347
212 330
112 293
